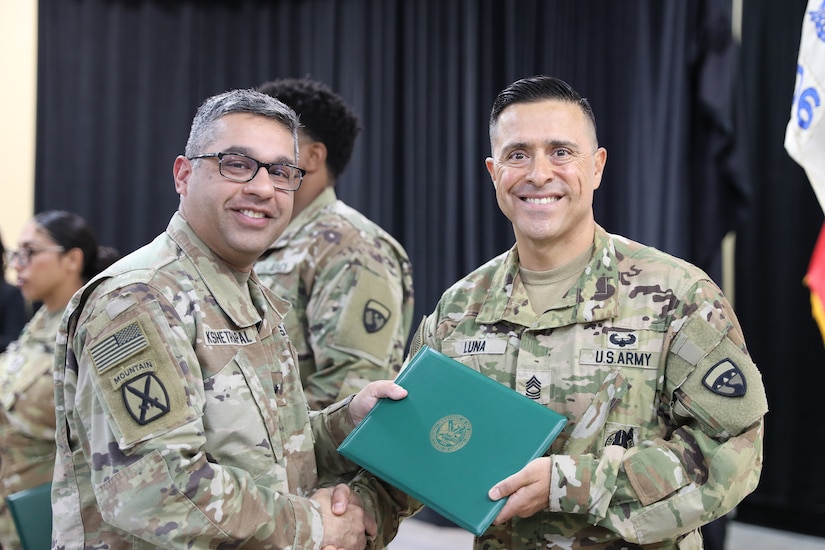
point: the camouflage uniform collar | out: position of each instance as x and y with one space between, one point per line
223 283
324 199
42 326
589 301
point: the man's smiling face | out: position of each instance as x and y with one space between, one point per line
238 221
545 167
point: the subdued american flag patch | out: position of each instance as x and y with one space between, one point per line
115 348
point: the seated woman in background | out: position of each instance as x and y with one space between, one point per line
57 253
14 311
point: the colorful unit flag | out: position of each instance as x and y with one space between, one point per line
805 135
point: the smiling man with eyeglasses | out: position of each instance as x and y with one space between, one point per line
181 418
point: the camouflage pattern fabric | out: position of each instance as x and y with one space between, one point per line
27 446
182 421
646 359
350 286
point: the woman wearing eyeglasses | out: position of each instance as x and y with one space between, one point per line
57 253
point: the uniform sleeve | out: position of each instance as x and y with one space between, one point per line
137 415
386 504
357 320
712 403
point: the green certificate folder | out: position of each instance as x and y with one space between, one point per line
455 435
31 512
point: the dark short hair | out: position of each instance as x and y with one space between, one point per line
2 257
70 230
539 88
324 116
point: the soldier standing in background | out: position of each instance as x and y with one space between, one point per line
57 253
181 422
349 282
639 349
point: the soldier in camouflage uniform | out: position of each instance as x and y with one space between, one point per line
181 422
57 253
349 282
639 349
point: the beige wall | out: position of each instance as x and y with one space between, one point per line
18 67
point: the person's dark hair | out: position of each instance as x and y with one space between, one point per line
539 88
324 115
2 257
69 230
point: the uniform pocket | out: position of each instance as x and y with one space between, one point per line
485 355
239 418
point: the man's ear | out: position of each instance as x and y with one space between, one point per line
600 159
313 156
181 170
490 164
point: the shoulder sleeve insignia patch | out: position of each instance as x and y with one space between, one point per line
118 346
366 319
725 379
136 368
145 398
376 316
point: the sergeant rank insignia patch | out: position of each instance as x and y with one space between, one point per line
533 389
725 379
145 398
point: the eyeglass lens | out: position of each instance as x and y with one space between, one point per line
242 168
23 255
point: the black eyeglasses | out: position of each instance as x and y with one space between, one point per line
23 256
241 168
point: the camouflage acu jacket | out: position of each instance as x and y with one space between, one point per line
647 360
26 414
182 422
350 286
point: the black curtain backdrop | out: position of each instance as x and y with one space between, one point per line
773 250
119 82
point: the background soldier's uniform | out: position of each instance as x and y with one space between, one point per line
647 360
181 416
27 446
350 286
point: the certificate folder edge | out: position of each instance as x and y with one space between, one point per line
382 470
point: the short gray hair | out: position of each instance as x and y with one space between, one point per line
249 101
